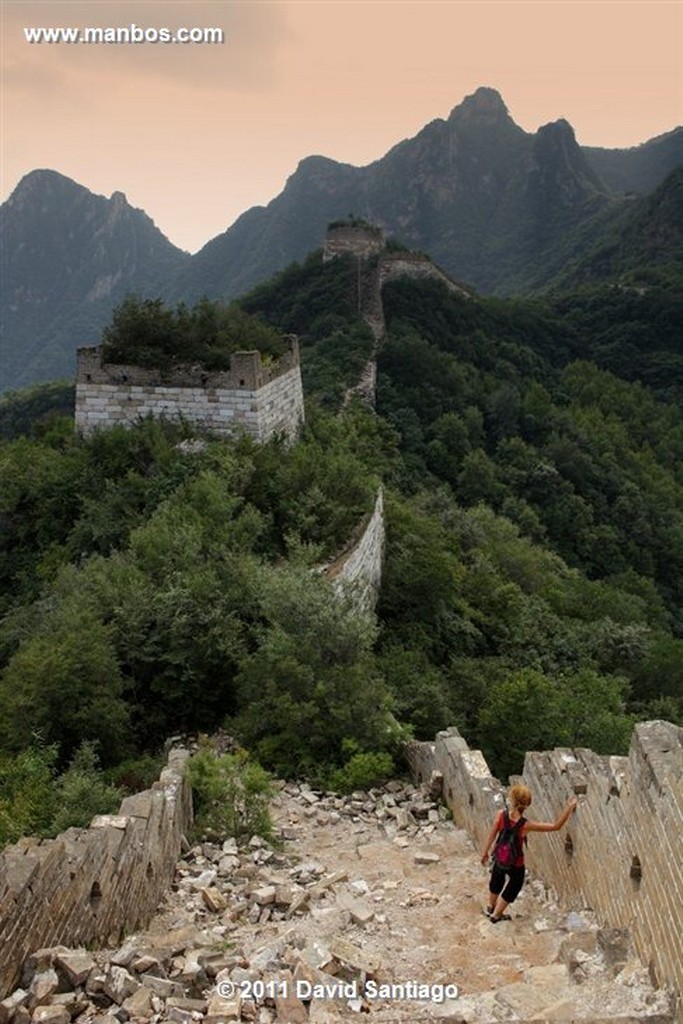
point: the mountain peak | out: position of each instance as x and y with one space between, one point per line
43 181
485 104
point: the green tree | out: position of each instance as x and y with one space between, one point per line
312 681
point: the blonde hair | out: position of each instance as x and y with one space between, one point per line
520 796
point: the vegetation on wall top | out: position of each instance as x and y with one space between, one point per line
144 332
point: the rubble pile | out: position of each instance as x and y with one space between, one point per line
365 905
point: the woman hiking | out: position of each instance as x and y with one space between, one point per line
511 828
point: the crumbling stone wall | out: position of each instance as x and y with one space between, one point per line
347 239
408 264
93 885
257 398
619 854
358 570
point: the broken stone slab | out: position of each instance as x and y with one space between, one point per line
10 1005
287 1004
75 1002
351 956
300 902
324 884
309 797
120 984
223 1011
309 867
263 896
211 852
360 911
421 809
139 1004
214 899
527 1000
38 962
147 962
126 953
119 821
190 1005
318 956
42 987
201 881
426 857
94 983
51 1015
76 965
162 987
179 1016
227 865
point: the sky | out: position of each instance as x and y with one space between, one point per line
195 134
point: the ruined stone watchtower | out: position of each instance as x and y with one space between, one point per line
354 238
254 397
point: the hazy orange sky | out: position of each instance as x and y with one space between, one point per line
195 135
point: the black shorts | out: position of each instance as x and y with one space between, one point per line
506 882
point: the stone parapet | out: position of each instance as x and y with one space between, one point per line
91 886
619 854
358 570
252 397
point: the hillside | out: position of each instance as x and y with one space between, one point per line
533 561
67 258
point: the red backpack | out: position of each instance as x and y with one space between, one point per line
508 846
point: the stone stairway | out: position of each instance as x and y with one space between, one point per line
370 907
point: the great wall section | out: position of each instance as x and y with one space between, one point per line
260 399
124 921
368 905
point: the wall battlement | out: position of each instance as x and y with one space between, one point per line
620 852
258 398
92 885
356 240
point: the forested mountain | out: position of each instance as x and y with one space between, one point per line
642 246
498 207
638 169
533 567
67 258
503 210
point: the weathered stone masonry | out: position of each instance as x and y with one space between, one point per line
257 398
92 885
358 570
620 853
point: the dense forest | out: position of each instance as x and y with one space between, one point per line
533 570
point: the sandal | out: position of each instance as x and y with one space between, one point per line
503 917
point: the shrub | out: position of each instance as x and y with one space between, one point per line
363 771
231 795
27 797
82 791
